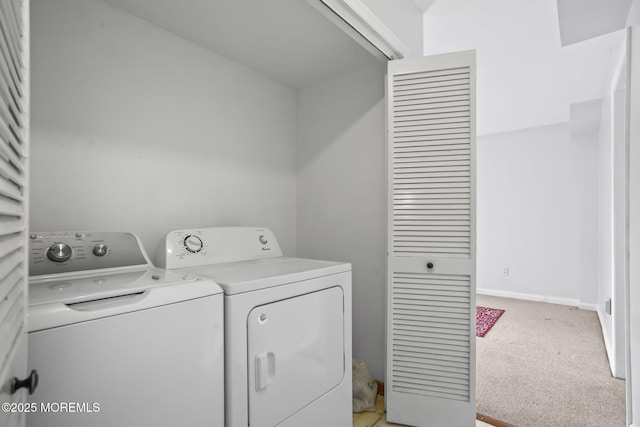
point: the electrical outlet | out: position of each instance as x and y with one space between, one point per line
505 271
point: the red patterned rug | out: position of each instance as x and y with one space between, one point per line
485 319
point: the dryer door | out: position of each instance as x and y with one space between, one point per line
296 354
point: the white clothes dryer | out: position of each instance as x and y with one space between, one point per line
287 326
118 342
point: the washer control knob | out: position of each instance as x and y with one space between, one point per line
193 244
59 252
100 249
263 240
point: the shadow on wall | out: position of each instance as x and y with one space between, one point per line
341 196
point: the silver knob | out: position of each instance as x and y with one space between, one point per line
100 249
59 252
263 240
193 244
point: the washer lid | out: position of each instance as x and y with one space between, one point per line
245 276
56 303
101 286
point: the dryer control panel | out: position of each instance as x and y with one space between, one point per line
54 252
216 245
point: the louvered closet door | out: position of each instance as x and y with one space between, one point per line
13 200
431 242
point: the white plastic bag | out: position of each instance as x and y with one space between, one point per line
365 388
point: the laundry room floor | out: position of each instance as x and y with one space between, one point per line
379 418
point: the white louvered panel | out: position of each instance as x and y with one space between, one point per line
434 174
7 88
10 150
459 187
410 152
13 151
14 32
433 99
430 334
448 78
416 79
438 159
406 119
431 242
431 84
442 107
5 92
8 244
431 96
434 134
432 161
460 192
11 313
431 158
9 189
444 74
9 225
10 41
9 171
429 140
430 169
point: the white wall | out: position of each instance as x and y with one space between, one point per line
136 129
342 194
537 215
634 228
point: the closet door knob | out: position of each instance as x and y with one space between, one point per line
429 265
30 383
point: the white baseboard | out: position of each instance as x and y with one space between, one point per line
588 307
538 298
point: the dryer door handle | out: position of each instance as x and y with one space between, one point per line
265 369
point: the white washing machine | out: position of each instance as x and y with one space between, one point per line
287 326
117 342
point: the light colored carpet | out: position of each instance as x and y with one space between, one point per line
545 365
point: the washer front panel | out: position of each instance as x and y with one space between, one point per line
55 252
215 245
162 366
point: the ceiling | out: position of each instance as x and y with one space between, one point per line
287 40
584 19
525 77
533 59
